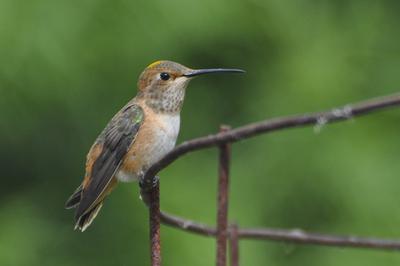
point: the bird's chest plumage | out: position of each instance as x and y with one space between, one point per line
156 137
162 139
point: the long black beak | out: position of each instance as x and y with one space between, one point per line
198 72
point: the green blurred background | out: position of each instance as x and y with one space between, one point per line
66 67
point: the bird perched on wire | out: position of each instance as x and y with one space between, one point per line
139 135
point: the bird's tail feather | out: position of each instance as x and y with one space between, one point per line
85 217
83 222
74 199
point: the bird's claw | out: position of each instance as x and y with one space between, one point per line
147 184
155 180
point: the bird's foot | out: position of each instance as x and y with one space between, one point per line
146 187
148 184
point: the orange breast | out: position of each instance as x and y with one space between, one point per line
157 136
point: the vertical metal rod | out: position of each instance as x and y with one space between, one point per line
234 245
222 212
154 212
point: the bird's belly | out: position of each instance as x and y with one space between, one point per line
155 141
125 176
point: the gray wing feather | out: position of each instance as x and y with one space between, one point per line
116 140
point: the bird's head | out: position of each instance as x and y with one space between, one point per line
162 84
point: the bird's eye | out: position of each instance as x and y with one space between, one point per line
164 76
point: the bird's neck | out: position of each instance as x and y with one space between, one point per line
167 101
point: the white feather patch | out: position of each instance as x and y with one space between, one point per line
164 139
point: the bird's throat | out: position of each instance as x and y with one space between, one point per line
168 101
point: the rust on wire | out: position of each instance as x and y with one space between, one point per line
234 244
152 198
222 208
187 225
154 212
342 113
286 235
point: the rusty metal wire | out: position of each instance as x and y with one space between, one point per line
234 244
234 233
154 215
284 235
223 193
345 112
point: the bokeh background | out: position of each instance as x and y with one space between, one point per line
66 67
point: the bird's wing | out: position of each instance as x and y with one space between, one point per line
107 154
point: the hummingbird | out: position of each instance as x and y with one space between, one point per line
139 135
